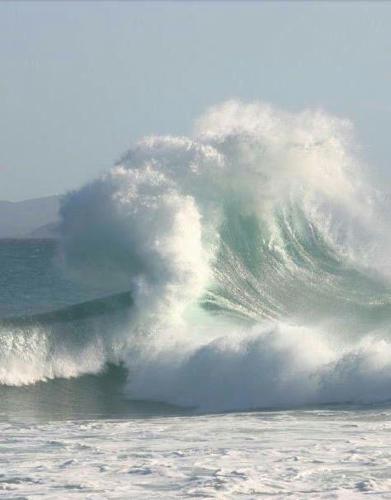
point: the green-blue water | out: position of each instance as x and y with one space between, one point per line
32 282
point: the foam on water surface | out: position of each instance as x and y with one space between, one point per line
301 454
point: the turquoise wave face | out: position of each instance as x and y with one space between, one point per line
287 270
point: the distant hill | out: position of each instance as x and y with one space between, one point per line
31 218
47 231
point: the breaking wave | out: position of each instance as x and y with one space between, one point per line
256 254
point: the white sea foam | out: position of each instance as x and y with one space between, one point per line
272 366
295 454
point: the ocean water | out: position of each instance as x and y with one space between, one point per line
214 321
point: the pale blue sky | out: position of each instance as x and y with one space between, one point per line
79 81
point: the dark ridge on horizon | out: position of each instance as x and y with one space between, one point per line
35 217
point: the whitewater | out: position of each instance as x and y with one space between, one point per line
240 292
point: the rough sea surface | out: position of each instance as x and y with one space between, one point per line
294 454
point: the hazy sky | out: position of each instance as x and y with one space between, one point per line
79 81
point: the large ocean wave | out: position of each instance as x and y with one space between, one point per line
256 254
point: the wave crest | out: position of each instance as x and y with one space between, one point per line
265 223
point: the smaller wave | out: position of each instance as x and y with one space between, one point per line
65 343
275 366
81 311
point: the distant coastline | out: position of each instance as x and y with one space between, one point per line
26 239
36 218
